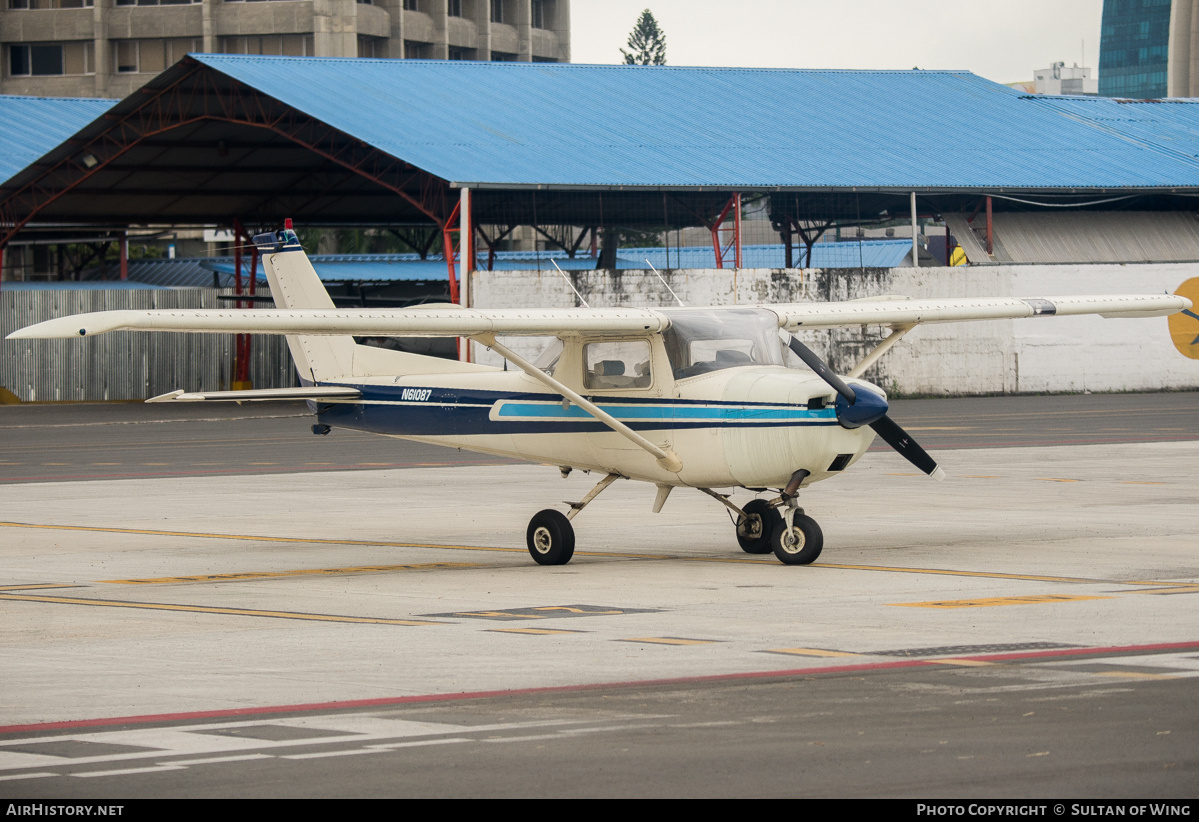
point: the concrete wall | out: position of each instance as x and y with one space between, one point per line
1004 356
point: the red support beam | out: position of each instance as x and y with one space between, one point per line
448 229
734 242
990 229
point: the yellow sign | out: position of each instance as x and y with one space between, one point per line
1184 326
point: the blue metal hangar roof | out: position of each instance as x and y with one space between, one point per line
32 126
1168 127
358 142
512 124
218 272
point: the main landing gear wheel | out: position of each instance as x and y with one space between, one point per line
551 538
756 527
799 544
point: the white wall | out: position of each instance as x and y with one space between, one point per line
1007 356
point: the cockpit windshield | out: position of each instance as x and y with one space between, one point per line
700 341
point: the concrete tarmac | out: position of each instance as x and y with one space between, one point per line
189 609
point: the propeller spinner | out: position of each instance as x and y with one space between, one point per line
861 406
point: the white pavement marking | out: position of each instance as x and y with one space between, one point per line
129 771
363 731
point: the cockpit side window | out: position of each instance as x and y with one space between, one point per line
617 364
699 342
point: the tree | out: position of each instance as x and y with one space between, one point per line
647 43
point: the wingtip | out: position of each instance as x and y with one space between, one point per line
938 474
58 328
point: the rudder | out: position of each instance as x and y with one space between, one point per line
295 284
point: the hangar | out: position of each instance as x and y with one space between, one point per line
589 156
579 151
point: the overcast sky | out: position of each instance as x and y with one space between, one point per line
1002 40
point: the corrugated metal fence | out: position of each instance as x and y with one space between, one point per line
124 365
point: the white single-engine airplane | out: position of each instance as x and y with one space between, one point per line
705 398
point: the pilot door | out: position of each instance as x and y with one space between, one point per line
624 378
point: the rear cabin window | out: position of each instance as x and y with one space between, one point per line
617 364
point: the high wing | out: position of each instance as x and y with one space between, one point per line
409 322
563 322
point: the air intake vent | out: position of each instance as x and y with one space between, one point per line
840 462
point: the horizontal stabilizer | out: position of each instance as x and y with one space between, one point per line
311 392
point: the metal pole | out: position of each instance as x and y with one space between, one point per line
246 353
239 340
125 255
915 241
466 254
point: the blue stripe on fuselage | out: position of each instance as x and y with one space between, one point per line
464 412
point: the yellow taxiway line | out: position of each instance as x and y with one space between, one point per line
204 609
599 554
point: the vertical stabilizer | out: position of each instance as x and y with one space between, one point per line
294 284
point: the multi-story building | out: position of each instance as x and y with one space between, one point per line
1149 49
108 48
1062 79
1134 44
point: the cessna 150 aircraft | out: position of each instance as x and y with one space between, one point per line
705 398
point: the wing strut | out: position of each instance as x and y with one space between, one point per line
895 336
667 459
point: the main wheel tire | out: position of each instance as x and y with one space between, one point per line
757 527
800 544
550 537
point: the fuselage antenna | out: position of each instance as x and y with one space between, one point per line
663 279
572 285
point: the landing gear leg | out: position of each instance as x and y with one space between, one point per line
550 536
755 522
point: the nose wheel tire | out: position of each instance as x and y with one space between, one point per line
755 529
551 538
799 544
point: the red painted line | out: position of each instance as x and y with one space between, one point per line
563 689
1162 646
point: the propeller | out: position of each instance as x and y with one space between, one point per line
861 406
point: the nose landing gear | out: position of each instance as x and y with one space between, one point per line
797 539
794 537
